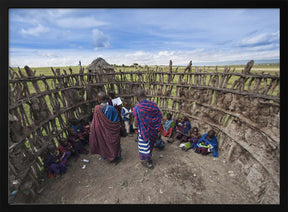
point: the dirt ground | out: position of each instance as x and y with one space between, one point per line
178 177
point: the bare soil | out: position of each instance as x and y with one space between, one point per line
178 177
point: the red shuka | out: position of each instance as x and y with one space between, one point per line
104 138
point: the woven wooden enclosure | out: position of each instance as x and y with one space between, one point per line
243 109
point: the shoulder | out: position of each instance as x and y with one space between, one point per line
203 136
151 102
112 108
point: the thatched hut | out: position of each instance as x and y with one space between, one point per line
100 66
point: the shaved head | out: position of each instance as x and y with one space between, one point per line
140 94
211 133
102 97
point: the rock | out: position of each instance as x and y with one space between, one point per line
231 173
124 183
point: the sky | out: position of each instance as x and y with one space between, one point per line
63 37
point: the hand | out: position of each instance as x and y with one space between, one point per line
62 156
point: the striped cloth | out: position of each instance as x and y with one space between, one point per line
145 147
149 118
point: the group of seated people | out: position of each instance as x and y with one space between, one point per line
188 137
78 136
56 161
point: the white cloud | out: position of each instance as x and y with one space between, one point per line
35 31
100 40
71 57
260 40
79 22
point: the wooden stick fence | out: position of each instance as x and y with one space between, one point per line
243 108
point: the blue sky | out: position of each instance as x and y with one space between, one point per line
62 37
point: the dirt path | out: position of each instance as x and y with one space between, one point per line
178 177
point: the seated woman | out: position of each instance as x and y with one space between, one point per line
76 143
208 139
192 140
182 130
66 147
81 130
166 129
184 133
55 162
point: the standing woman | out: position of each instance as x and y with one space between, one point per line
149 118
104 138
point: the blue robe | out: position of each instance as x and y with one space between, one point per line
213 142
111 113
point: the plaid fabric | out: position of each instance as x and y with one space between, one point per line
149 119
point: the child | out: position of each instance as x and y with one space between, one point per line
183 127
159 143
125 114
184 133
75 125
203 148
192 140
209 138
83 133
80 131
76 143
55 162
167 128
66 147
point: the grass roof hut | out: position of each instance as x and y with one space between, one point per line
100 66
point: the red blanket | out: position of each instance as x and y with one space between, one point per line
104 138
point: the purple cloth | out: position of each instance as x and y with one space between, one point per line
54 164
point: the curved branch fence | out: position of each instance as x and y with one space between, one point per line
243 109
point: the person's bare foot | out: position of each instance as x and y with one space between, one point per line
148 164
170 140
